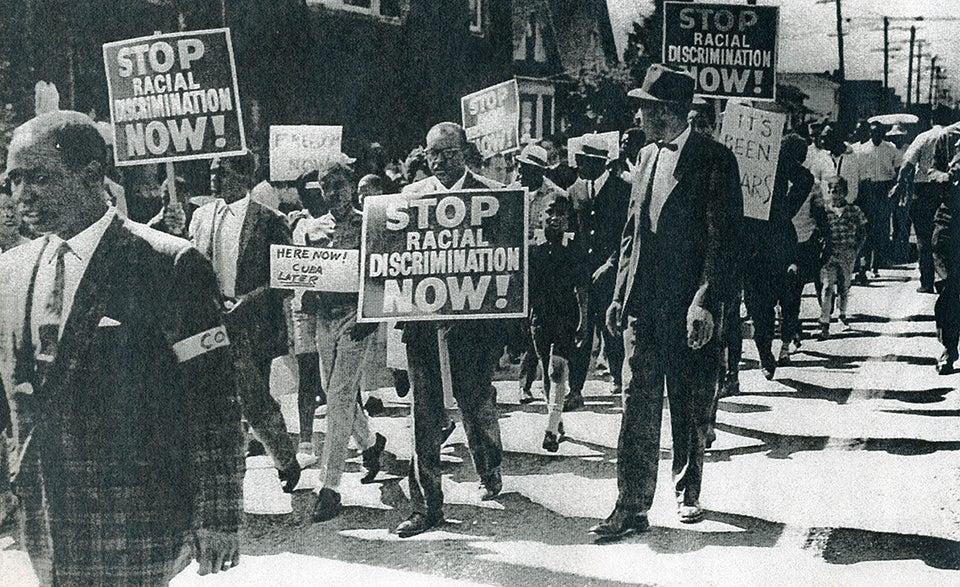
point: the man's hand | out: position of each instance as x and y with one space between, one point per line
699 326
215 551
175 217
613 319
290 476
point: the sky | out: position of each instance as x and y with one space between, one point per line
806 44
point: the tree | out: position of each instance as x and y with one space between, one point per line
597 101
645 42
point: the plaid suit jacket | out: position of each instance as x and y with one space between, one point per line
130 439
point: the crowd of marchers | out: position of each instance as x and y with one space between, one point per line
136 357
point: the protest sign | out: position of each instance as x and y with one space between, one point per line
606 140
310 268
754 137
295 150
174 97
731 49
444 256
491 118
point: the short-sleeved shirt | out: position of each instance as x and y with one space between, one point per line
555 271
922 150
878 162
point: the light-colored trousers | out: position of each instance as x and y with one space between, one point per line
835 274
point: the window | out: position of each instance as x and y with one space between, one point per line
528 117
532 46
476 16
386 8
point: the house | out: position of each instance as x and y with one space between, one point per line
552 41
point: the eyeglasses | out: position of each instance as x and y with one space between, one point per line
447 154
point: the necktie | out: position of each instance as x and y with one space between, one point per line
652 215
48 327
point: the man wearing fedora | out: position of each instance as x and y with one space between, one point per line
532 163
673 275
600 201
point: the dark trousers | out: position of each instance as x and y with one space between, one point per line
689 391
251 363
947 314
529 362
599 298
731 333
763 289
924 206
875 204
808 261
473 361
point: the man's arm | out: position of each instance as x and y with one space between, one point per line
202 348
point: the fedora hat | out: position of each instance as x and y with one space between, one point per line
593 145
665 84
533 155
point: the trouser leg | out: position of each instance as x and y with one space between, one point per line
947 314
580 363
828 276
529 363
309 387
559 371
922 211
843 286
472 364
429 417
638 447
689 393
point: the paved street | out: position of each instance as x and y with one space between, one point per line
843 471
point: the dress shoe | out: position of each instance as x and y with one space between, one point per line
731 384
419 523
621 523
371 458
844 320
768 364
690 514
447 431
925 289
784 358
327 506
824 332
945 363
255 449
492 484
526 396
551 442
289 476
573 402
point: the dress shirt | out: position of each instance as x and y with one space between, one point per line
431 184
921 151
663 180
819 164
538 199
847 166
226 246
75 262
878 162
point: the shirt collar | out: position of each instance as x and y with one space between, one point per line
240 206
681 140
85 242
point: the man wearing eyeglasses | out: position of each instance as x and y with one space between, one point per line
474 347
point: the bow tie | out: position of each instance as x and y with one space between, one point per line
665 145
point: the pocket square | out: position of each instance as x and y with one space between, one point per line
107 321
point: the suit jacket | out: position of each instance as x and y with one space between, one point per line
600 223
490 331
770 245
125 443
697 230
261 228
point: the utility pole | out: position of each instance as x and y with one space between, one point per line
919 69
913 36
841 71
933 77
886 55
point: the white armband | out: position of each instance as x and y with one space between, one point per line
201 343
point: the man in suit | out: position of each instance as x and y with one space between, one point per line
674 274
600 202
235 233
116 371
473 347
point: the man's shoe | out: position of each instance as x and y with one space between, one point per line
371 458
492 484
327 506
560 430
690 514
824 332
551 442
419 523
573 402
305 455
925 289
731 384
447 431
768 364
797 341
621 523
255 448
876 273
526 396
290 476
945 363
784 359
844 320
